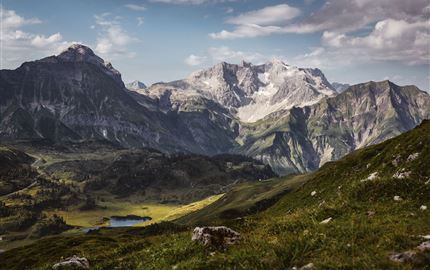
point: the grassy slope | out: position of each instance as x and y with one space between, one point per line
289 233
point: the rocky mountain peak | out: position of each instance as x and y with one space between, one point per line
136 85
78 53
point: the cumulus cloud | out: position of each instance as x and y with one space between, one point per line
226 54
19 45
394 30
270 15
336 15
195 60
390 39
112 40
135 7
191 2
262 22
350 15
194 2
219 54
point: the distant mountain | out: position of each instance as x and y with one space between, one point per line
78 96
73 96
252 92
136 85
303 139
288 117
340 87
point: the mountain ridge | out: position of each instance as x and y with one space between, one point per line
303 122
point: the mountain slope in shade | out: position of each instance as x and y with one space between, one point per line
78 96
74 95
302 139
251 92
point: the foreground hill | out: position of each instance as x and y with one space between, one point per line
350 214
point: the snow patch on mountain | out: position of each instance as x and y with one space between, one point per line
252 92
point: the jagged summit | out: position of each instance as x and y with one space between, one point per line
254 91
135 85
78 53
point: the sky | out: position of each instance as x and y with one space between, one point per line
351 41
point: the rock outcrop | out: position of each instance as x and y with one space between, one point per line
215 237
72 263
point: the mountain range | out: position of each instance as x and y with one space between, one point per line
288 117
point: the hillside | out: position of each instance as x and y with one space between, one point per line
45 188
350 214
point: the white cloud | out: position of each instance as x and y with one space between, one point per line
140 21
395 30
247 31
135 7
335 15
191 2
215 55
262 22
226 54
350 15
18 45
229 10
390 39
271 15
112 40
195 60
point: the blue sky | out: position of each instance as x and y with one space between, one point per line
352 41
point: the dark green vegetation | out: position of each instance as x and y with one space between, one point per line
366 225
43 179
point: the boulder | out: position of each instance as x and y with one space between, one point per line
327 220
216 237
72 263
305 267
424 246
403 256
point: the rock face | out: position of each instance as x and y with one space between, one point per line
252 92
303 139
136 85
215 237
72 263
78 96
288 117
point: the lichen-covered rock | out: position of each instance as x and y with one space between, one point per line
72 263
217 237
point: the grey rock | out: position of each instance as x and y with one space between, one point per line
403 256
424 246
215 237
305 267
72 263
